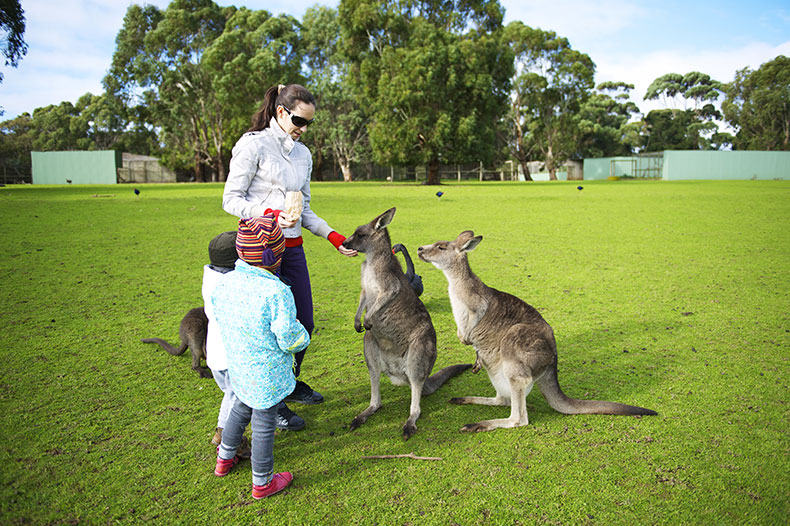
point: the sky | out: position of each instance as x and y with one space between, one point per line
71 42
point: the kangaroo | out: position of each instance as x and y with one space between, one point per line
512 341
192 331
400 340
415 280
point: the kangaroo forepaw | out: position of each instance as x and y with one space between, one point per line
368 326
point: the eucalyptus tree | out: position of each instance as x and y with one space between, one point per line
157 64
57 128
201 70
606 122
12 33
688 120
757 104
341 124
433 74
551 83
16 143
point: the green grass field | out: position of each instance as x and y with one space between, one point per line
671 296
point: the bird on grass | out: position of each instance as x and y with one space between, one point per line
136 191
439 194
580 188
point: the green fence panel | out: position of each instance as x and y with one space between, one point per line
99 167
682 165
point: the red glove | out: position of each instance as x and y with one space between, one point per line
336 239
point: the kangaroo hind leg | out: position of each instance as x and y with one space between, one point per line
520 386
374 370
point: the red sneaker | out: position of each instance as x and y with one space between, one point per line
224 466
279 482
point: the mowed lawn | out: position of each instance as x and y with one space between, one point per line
667 295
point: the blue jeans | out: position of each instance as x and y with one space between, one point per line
263 425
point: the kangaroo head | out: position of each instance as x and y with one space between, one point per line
369 236
446 254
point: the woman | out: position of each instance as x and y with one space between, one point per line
267 162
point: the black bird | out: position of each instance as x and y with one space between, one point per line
414 279
580 188
136 191
439 194
68 181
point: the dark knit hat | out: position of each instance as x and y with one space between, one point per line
222 250
260 242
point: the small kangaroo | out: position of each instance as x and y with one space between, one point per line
193 329
512 341
400 340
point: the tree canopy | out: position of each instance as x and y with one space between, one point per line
398 83
757 104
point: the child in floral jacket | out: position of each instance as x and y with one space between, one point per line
257 319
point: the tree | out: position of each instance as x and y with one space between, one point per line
16 143
757 105
605 122
12 24
108 126
201 70
341 124
688 122
551 83
255 51
159 54
433 74
58 128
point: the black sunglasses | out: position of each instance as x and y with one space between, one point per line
297 120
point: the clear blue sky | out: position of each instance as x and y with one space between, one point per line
72 41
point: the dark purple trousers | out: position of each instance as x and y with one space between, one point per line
294 269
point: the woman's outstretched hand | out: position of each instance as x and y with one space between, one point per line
347 251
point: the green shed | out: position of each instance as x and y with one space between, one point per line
77 167
675 165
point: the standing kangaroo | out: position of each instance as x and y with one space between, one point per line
400 340
512 340
192 330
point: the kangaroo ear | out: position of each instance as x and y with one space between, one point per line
463 237
471 244
384 219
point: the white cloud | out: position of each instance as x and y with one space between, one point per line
583 20
719 64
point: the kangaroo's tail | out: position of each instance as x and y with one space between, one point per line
550 387
438 378
166 346
415 280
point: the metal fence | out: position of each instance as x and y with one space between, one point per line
145 172
458 172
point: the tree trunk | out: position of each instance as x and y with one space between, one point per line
222 176
318 166
522 160
198 169
433 172
550 164
345 167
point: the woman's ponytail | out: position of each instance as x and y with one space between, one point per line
262 117
281 94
